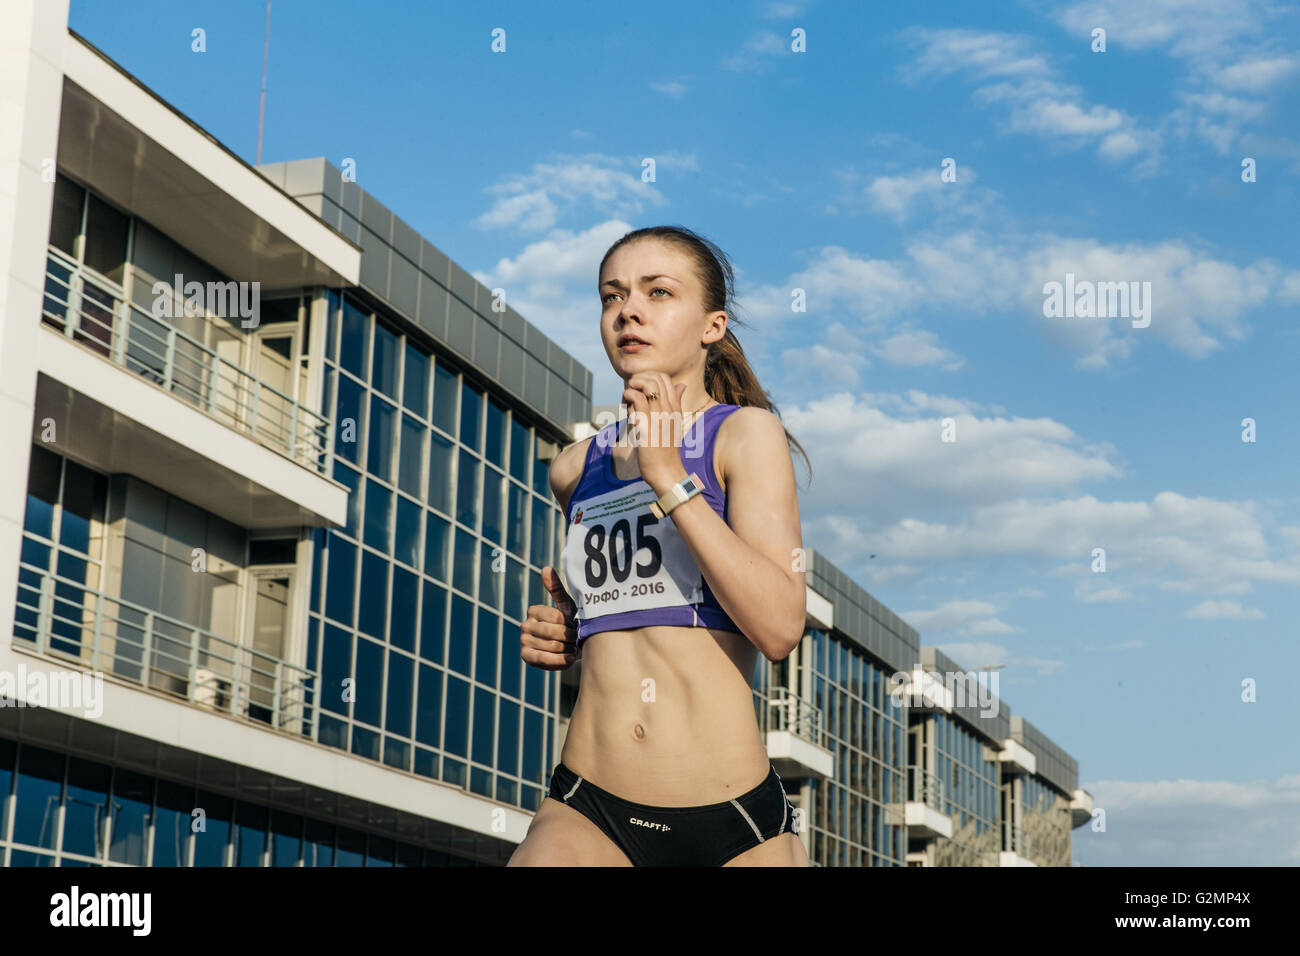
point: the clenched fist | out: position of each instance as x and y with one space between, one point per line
548 637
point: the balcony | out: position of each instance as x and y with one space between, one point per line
66 621
922 812
90 309
795 736
231 442
1015 848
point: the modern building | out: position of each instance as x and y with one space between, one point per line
276 505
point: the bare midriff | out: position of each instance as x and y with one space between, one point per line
665 716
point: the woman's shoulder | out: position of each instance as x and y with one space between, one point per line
747 433
567 468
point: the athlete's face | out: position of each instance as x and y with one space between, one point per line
649 290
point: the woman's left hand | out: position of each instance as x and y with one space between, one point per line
655 426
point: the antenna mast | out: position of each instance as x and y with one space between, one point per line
261 108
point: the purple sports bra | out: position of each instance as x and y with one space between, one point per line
626 568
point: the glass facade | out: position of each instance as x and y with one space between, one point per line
1045 822
416 604
867 735
969 795
62 810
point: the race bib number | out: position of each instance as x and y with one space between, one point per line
619 557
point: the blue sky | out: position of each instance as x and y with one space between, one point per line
820 170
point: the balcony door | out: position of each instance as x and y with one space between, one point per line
273 361
265 643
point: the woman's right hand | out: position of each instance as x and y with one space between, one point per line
548 637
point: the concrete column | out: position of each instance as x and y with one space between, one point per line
32 38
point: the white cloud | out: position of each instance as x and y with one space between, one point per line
535 201
1215 610
671 88
918 348
1193 823
1013 74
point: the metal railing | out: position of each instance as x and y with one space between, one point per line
91 309
65 619
1016 840
925 787
785 710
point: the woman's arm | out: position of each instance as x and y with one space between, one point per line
749 563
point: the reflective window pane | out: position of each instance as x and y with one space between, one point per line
445 391
383 434
354 342
383 372
415 381
410 477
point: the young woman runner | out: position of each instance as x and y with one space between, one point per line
663 764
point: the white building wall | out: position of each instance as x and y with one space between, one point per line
33 34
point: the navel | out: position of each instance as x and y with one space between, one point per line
638 732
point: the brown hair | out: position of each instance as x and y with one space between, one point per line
727 376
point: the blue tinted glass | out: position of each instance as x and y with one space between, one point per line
380 852
415 381
437 546
511 663
410 477
383 438
460 635
369 686
538 540
433 622
317 565
171 824
373 603
355 336
514 604
457 729
250 834
335 668
485 657
406 532
542 477
346 476
383 374
536 590
379 511
469 484
516 518
351 848
442 453
85 805
286 838
484 718
210 843
493 495
533 744
84 494
401 629
428 713
494 444
520 447
445 391
129 811
489 578
508 737
397 709
463 562
333 302
471 416
340 580
348 430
